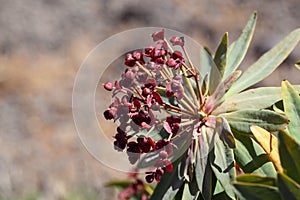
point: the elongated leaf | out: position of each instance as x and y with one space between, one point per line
257 98
170 182
190 191
238 49
289 189
221 196
289 151
253 178
118 184
249 191
269 143
291 103
223 166
250 156
205 177
226 134
221 55
242 120
266 64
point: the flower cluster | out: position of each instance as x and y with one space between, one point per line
146 102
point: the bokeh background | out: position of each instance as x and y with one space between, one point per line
43 43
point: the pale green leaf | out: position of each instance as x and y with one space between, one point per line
221 55
253 178
291 104
289 151
250 156
243 119
257 98
266 64
222 163
238 49
289 189
249 191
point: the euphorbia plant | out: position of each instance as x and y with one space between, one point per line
189 123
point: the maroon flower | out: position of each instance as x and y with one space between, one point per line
108 86
172 124
160 35
174 88
133 152
175 40
159 51
148 50
131 59
149 178
175 61
121 140
144 144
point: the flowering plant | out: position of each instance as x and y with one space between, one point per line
189 125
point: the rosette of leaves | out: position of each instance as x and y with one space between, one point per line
233 110
283 151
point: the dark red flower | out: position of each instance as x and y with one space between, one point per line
148 50
175 88
149 178
172 124
168 165
160 35
131 59
175 61
175 40
121 140
108 86
141 117
144 144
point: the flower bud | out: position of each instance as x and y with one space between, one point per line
108 86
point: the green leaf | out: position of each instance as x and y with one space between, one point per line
221 55
253 178
266 64
289 189
251 157
190 191
289 151
238 49
221 196
256 191
257 98
208 67
266 119
170 183
118 184
205 177
226 134
291 104
222 163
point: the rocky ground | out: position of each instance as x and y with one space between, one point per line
42 44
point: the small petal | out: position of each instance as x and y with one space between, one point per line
175 40
160 35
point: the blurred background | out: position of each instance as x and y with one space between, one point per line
43 43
